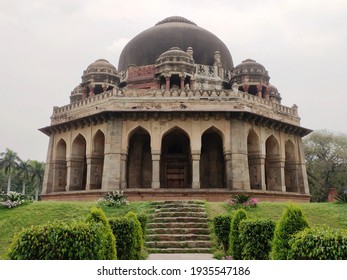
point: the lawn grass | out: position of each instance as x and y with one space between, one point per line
38 213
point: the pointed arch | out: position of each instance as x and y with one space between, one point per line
291 168
78 174
212 159
175 160
272 164
254 160
139 164
60 167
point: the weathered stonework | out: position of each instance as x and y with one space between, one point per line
176 129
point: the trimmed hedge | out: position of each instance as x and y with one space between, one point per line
138 235
77 240
98 215
235 246
221 224
143 219
319 243
256 236
128 234
291 222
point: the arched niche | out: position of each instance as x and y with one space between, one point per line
78 173
254 160
272 165
290 168
60 167
97 160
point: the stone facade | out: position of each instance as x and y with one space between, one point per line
176 129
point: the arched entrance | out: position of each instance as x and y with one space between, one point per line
78 173
290 168
97 160
254 160
272 165
212 160
139 160
175 165
60 167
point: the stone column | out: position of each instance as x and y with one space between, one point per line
245 88
192 84
239 160
47 185
91 88
155 169
259 89
228 172
196 170
262 172
111 179
167 82
302 174
267 94
182 83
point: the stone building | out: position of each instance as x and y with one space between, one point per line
176 120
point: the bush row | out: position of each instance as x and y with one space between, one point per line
290 238
97 238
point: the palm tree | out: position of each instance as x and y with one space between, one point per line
9 161
37 170
24 169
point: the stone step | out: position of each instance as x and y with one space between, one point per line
177 237
178 220
178 225
182 230
180 209
174 204
179 250
178 214
178 244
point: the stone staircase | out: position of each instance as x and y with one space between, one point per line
178 227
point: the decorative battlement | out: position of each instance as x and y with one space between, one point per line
124 100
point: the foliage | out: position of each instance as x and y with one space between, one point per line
341 198
319 243
37 170
13 199
98 216
256 236
221 225
235 246
125 231
143 219
138 235
326 163
76 240
291 222
242 201
113 199
8 162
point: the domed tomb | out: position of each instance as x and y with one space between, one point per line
146 47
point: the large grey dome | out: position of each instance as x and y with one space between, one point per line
146 47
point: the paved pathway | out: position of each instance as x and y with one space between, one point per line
180 257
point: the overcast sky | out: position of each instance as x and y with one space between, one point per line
46 45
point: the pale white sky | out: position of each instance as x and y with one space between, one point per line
46 45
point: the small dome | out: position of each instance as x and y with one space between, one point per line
274 95
100 71
174 52
250 71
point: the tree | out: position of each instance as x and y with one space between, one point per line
37 170
326 162
9 161
24 169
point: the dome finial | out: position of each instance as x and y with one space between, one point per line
175 19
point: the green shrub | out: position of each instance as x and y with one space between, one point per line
129 238
221 224
13 199
290 223
319 243
143 219
138 235
256 236
113 199
235 247
97 215
60 241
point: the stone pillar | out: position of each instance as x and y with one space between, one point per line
267 94
47 185
167 82
192 85
259 89
245 88
196 170
123 170
91 88
112 161
94 172
256 163
239 160
182 83
228 172
302 174
155 169
262 172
